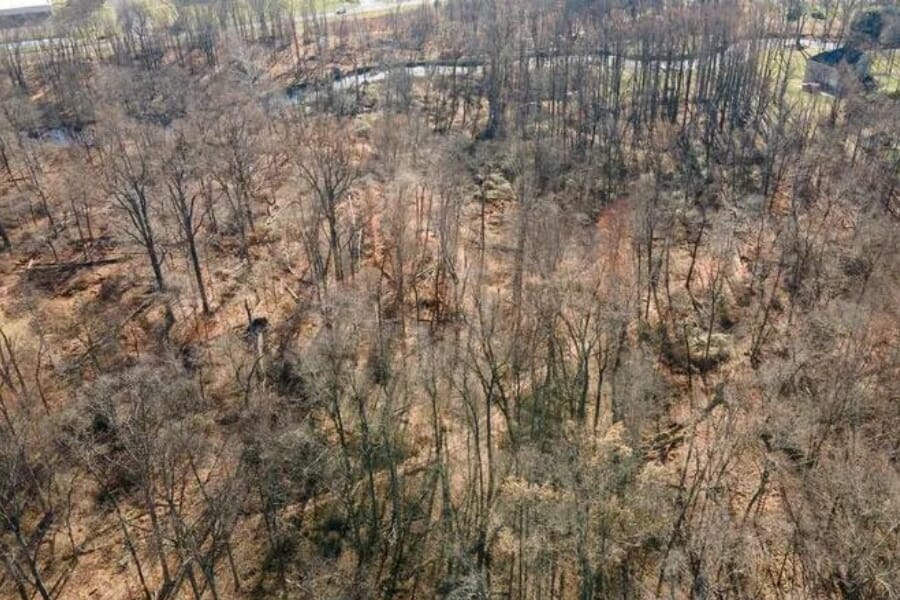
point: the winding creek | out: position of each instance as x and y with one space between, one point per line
363 76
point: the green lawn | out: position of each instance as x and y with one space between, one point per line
887 74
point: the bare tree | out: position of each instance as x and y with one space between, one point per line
129 176
179 172
329 167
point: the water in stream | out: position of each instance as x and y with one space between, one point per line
364 76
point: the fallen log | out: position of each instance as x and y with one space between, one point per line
72 266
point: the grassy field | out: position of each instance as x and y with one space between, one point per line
886 70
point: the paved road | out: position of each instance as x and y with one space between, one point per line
374 6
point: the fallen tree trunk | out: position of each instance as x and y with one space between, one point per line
73 265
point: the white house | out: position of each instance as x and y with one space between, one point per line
25 8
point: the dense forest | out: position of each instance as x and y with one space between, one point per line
457 299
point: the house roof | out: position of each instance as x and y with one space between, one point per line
833 57
24 7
